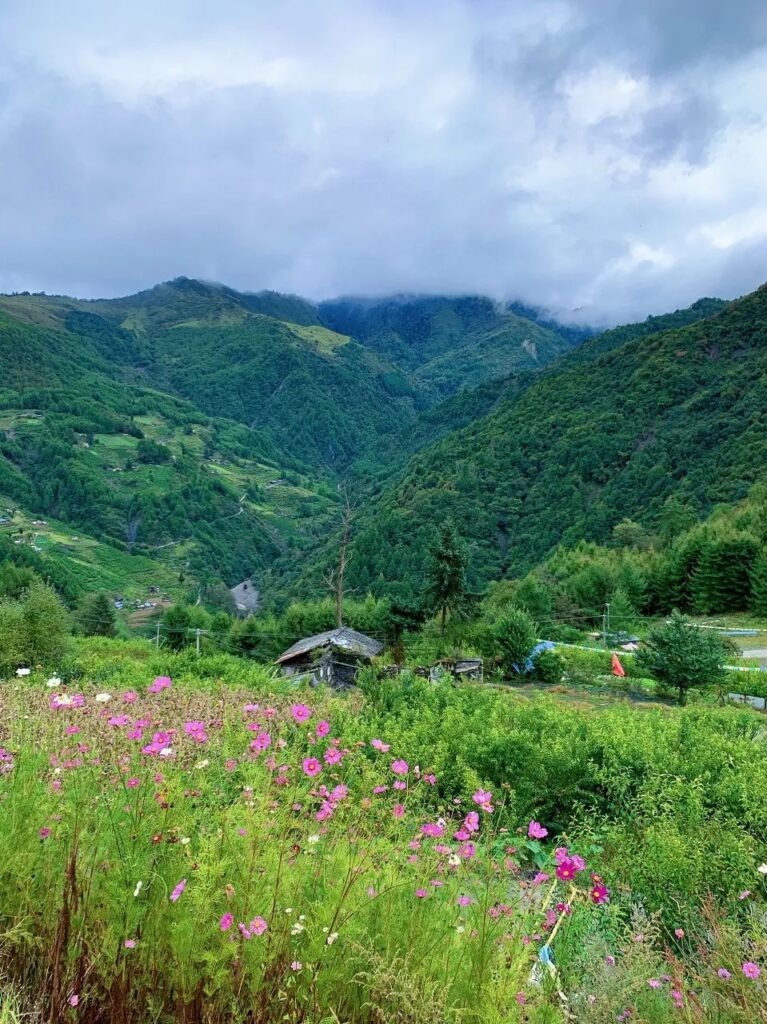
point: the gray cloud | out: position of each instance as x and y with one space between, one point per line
589 155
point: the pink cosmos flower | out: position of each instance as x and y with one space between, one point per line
679 932
421 894
484 799
160 683
323 728
467 851
262 742
296 965
724 973
400 767
258 926
540 878
44 833
751 970
399 784
130 697
462 834
536 831
178 890
72 730
653 983
432 829
73 1000
312 767
398 811
380 789
133 783
118 720
566 870
230 765
465 901
226 922
599 894
301 713
380 745
129 944
332 756
471 822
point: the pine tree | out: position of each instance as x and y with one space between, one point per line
622 612
758 580
447 573
97 616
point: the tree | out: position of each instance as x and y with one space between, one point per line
623 614
514 636
447 573
629 534
681 656
759 585
96 616
177 621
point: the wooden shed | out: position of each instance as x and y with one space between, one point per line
333 657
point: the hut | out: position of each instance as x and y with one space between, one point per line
333 657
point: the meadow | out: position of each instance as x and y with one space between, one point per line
189 839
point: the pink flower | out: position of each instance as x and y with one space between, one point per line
130 696
226 922
679 932
380 745
566 870
745 894
465 901
258 926
130 943
467 851
653 983
133 783
599 894
118 720
72 730
432 829
332 756
540 878
312 767
160 683
536 831
471 822
323 728
724 973
301 713
399 784
296 965
751 970
484 799
73 1000
230 765
400 767
44 833
262 742
178 890
398 811
421 894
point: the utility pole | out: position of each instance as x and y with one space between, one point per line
157 636
197 633
605 623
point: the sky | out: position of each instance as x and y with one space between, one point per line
603 159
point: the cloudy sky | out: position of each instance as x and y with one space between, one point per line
602 156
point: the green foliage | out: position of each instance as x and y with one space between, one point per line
151 452
177 622
681 656
446 587
96 616
514 635
34 629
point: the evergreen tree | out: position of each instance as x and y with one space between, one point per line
96 616
681 656
447 573
177 621
758 580
514 637
623 614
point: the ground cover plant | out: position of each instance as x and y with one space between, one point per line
205 849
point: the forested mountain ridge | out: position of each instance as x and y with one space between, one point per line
584 445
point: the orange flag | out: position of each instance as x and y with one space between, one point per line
618 669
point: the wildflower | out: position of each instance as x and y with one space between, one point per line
464 901
380 745
610 960
297 928
226 922
139 887
521 998
296 965
133 783
73 1000
751 970
762 869
44 833
323 728
230 765
471 822
744 895
130 697
566 870
398 810
599 894
421 894
129 944
312 839
467 851
331 938
301 713
536 831
72 730
398 784
332 756
724 973
20 672
103 698
484 799
540 878
380 789
160 683
400 767
653 983
178 890
262 742
312 767
432 830
53 682
679 932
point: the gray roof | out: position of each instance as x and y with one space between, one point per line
343 638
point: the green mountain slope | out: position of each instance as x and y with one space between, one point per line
447 344
679 412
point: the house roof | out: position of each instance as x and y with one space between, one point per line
343 638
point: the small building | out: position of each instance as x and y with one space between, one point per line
333 657
466 669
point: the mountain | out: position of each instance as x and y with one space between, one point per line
447 345
600 436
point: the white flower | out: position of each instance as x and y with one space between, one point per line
297 928
202 764
312 839
762 869
166 752
185 840
23 671
454 860
139 887
288 910
63 700
332 938
460 929
53 681
102 698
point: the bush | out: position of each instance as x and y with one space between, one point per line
680 656
514 636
